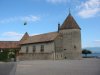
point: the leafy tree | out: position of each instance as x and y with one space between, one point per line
85 51
12 54
7 54
4 55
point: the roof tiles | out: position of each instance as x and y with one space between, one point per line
9 44
41 38
69 23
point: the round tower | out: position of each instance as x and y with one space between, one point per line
69 39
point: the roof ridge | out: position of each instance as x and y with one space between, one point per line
43 34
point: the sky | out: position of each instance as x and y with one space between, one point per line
43 16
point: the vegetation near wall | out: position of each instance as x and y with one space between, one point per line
7 54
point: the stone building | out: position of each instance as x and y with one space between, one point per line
63 44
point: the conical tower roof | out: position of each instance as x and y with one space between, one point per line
26 36
69 23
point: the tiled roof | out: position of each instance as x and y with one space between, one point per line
41 38
25 37
69 23
9 44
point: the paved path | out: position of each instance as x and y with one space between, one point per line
59 67
7 68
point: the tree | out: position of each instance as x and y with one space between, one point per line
4 55
12 54
7 54
85 51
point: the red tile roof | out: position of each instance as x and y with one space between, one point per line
9 44
69 23
25 37
41 38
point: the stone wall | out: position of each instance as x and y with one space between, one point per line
68 44
48 52
48 47
35 56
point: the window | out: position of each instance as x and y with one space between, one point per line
27 49
34 49
74 47
65 57
64 49
57 56
61 55
42 48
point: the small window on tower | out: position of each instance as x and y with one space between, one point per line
74 46
64 49
65 57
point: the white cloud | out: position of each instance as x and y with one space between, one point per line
96 43
10 38
11 34
57 1
92 43
90 8
30 18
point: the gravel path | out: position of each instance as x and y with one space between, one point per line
59 67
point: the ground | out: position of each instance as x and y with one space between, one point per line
59 67
7 68
85 66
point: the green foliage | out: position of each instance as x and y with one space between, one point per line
85 51
7 54
11 55
4 55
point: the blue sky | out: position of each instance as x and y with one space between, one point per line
43 16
